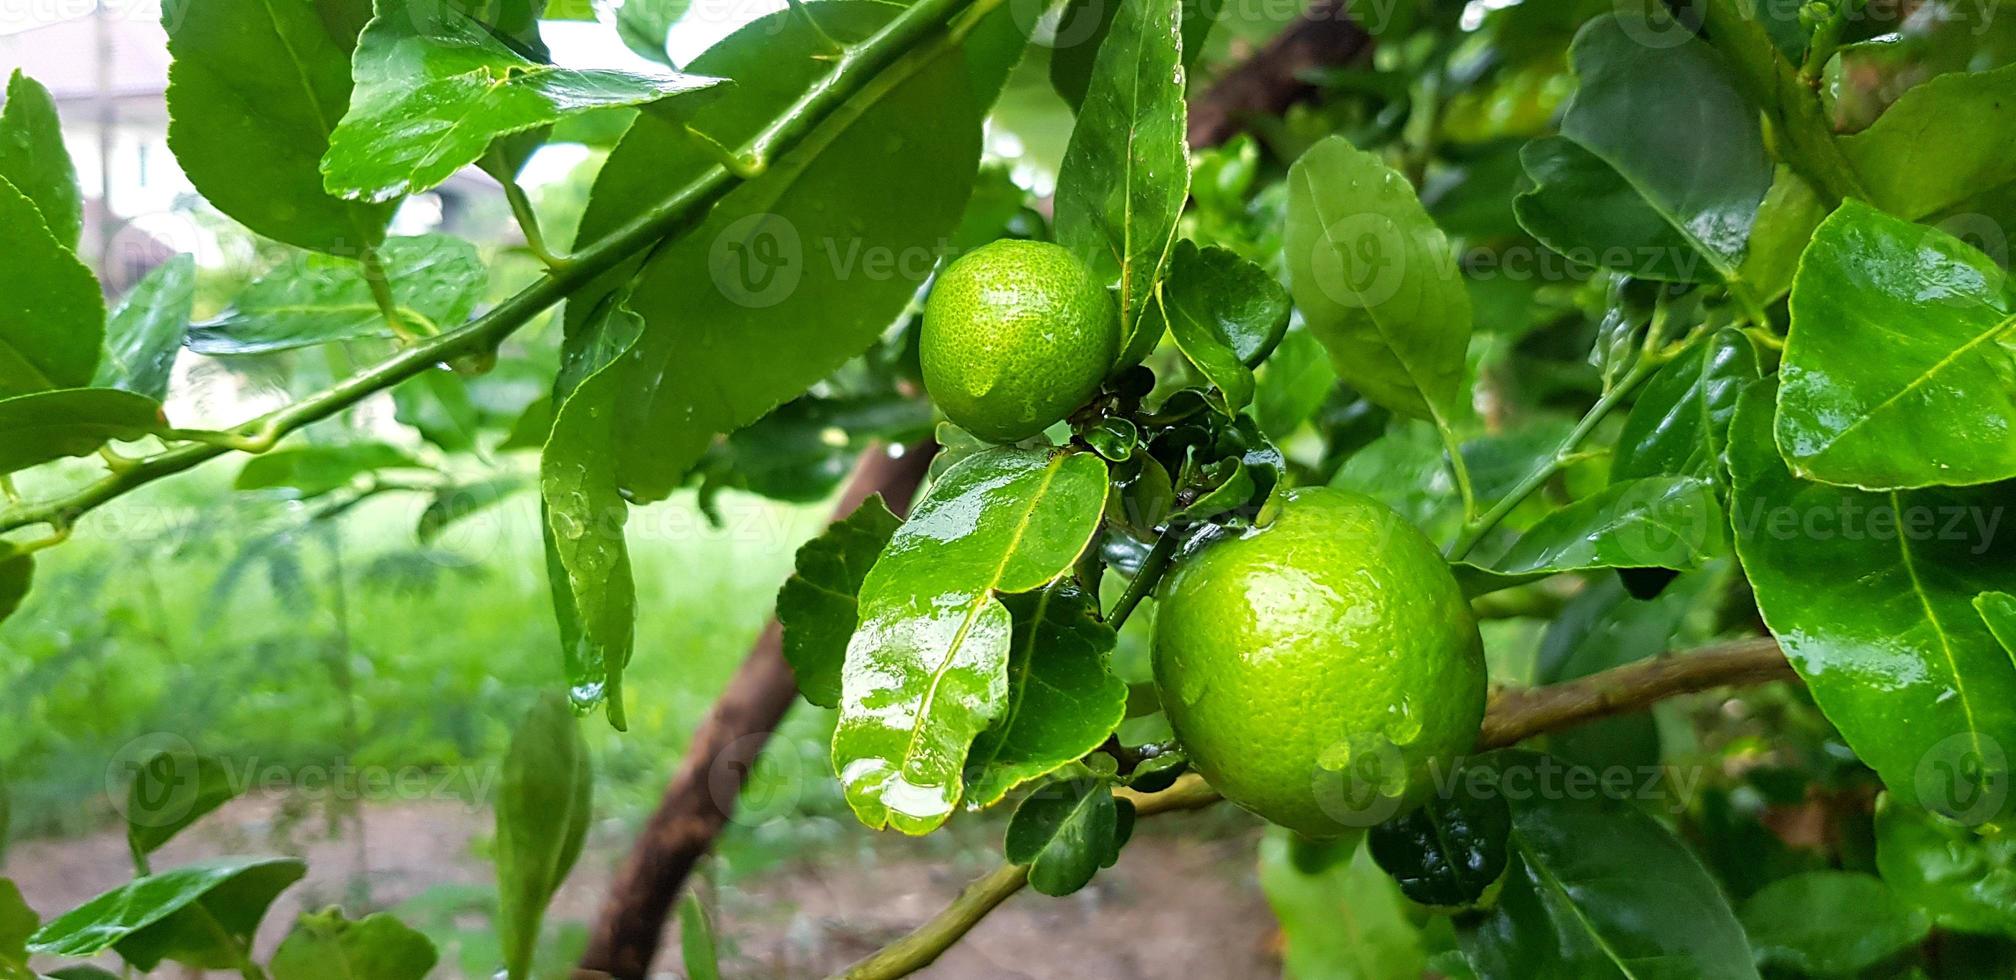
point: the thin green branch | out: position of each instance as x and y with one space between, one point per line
1153 567
907 36
521 210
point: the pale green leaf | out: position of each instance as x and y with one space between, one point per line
316 299
175 914
543 810
146 330
1654 522
52 317
1942 142
326 946
34 160
1830 923
311 471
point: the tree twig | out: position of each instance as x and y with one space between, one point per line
1513 717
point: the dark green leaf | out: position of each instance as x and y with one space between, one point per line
1342 918
171 790
1830 923
1598 889
1065 832
33 159
1601 628
146 329
1964 880
1226 315
696 932
314 299
326 946
163 916
252 145
1377 282
644 26
543 810
451 504
1063 699
1447 851
49 425
1939 405
434 88
818 606
312 471
1940 143
1871 596
532 426
1126 171
17 923
1680 423
437 404
52 317
811 261
1082 27
1584 209
1655 522
17 574
804 448
927 669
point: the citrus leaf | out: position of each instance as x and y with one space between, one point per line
644 26
1939 406
1655 522
1376 281
1784 227
1598 889
52 317
1998 609
17 575
1679 425
1830 923
1065 832
1292 385
17 923
543 810
697 951
171 790
34 160
316 299
146 330
1081 29
1871 597
811 260
456 503
1943 141
1604 627
163 915
1342 918
1063 698
48 425
1126 170
326 946
434 87
253 92
1581 207
1964 880
1226 315
927 669
311 471
818 607
1446 852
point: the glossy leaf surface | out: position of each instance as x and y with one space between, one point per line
315 299
543 810
927 669
1938 406
326 946
819 605
1226 315
1964 880
1679 425
52 317
1871 597
1376 281
1943 141
152 918
1581 207
1654 522
1063 699
34 160
145 331
49 425
1830 923
1065 833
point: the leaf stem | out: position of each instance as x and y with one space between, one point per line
521 209
1459 468
833 48
1153 567
380 282
943 22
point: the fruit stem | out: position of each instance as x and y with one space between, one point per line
1153 567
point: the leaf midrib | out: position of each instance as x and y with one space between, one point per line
1924 598
2006 323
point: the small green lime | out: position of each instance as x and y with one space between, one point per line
1316 668
1017 335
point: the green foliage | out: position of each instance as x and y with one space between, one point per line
1913 169
17 923
696 940
144 332
1679 425
33 159
41 426
1830 923
1965 881
171 790
201 915
53 319
1225 314
1345 920
1063 699
543 810
819 605
326 946
312 471
434 280
1447 852
1654 522
1066 831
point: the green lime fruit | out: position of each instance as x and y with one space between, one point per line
1017 335
1315 669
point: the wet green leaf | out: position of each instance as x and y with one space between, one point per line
1964 880
252 146
1065 832
434 88
801 451
1293 383
1871 597
171 790
1082 27
42 426
1655 522
1785 223
163 916
1598 889
1939 405
1998 610
326 946
311 471
1063 698
1581 207
1126 171
1226 315
1943 141
17 923
456 503
1830 923
1377 282
145 330
644 26
1679 425
316 299
1448 851
1342 917
819 604
810 261
17 574
927 669
543 810
52 317
34 160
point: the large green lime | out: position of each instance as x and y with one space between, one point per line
1315 668
1017 335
